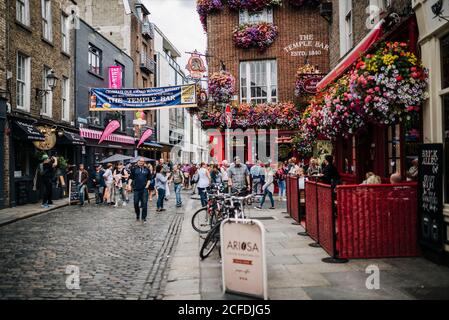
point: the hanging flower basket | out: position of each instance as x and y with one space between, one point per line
390 85
206 7
252 5
259 35
221 86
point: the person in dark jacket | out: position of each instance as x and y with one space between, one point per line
48 174
139 180
330 172
81 178
98 183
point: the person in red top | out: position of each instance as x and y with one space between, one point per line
281 176
192 171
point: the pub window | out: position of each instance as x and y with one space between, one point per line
46 20
23 85
265 15
258 81
349 156
446 143
394 150
65 33
445 61
95 57
412 135
47 99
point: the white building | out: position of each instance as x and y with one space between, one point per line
176 128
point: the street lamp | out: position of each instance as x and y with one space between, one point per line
52 80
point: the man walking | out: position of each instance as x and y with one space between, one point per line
239 177
81 178
48 172
98 183
178 180
140 180
166 170
256 175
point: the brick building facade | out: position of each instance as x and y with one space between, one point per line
302 31
36 42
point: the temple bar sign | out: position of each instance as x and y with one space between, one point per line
103 99
306 46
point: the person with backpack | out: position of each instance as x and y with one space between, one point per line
281 176
194 177
178 180
268 187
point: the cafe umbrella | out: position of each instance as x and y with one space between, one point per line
116 158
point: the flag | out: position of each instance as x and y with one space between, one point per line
145 136
110 128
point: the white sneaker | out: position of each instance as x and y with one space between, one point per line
124 204
116 205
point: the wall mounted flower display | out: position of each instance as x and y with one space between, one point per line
259 35
206 7
252 5
221 86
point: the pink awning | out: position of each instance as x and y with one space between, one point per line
352 57
96 135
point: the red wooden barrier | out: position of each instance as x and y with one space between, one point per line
377 221
289 196
325 216
312 210
294 205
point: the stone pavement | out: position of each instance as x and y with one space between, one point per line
296 272
117 257
10 215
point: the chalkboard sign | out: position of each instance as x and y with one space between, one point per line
73 192
430 196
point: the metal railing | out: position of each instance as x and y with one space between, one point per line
148 30
147 64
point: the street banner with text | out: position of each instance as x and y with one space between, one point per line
103 99
115 77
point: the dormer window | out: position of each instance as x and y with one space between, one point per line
265 15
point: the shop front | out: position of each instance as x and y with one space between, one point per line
93 152
150 150
434 45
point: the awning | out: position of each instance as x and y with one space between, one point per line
153 144
74 138
28 131
352 56
96 135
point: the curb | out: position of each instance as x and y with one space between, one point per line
33 214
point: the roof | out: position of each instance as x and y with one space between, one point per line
166 43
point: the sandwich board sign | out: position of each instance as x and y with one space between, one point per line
243 258
73 192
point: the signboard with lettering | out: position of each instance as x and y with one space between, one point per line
74 195
243 258
103 99
307 46
430 192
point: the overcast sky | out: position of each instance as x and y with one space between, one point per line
180 23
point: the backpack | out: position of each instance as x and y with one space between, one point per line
196 177
177 178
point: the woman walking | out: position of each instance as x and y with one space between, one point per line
268 187
109 180
203 183
178 180
120 176
161 184
152 186
281 175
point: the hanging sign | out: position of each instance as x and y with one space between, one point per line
243 258
50 139
196 66
148 133
228 114
142 99
430 195
115 77
110 128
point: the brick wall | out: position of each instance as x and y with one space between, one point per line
360 28
291 22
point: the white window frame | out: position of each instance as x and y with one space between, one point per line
65 99
346 26
23 15
266 15
47 99
24 81
95 60
265 75
65 35
47 29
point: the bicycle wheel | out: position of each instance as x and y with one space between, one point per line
213 237
201 221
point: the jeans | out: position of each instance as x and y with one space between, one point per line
99 195
47 192
281 184
203 196
270 195
178 188
256 185
160 198
119 192
141 196
81 192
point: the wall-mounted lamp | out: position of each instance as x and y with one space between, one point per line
52 80
437 10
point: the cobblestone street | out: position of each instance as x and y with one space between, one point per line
117 257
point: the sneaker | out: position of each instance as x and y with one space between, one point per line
137 220
258 208
116 205
124 204
162 210
272 208
144 221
